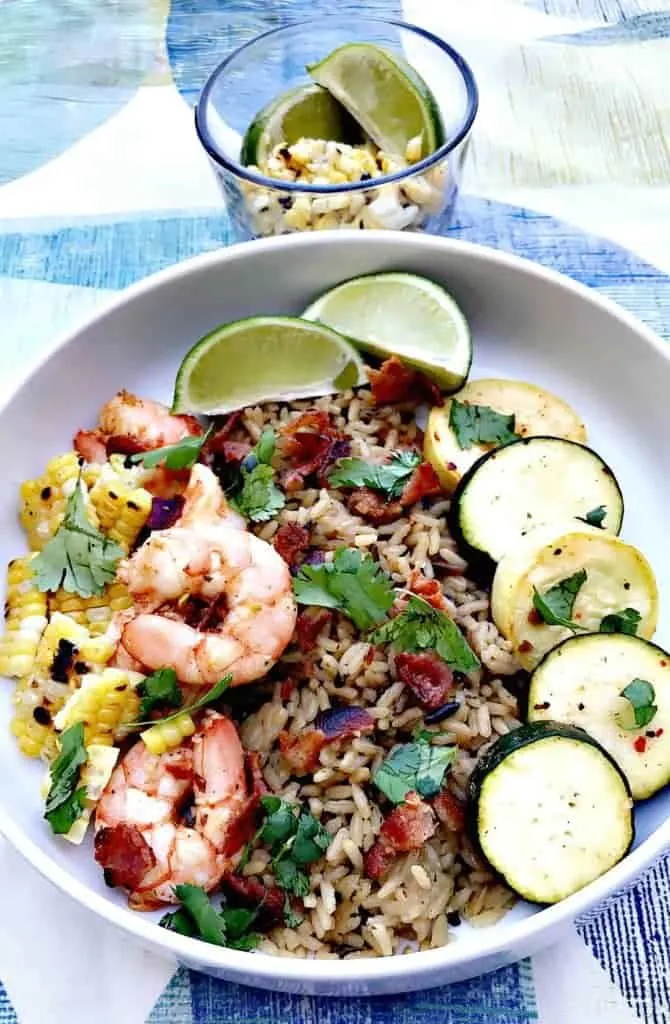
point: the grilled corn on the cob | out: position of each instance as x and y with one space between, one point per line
167 735
106 702
26 619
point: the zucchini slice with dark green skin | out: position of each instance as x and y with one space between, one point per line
550 810
580 682
524 484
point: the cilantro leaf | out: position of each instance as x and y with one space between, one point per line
180 921
420 627
281 822
254 493
65 801
78 557
556 604
389 477
237 921
290 878
291 919
198 919
414 767
311 840
182 455
354 584
265 447
595 517
209 697
158 689
296 839
625 621
640 695
195 901
480 424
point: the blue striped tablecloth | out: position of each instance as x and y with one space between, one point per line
102 182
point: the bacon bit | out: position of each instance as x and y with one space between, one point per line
90 445
406 828
235 451
215 445
301 752
311 443
429 590
373 506
429 678
250 892
423 483
286 688
659 732
308 626
291 542
534 617
449 810
370 656
640 744
394 383
124 855
524 647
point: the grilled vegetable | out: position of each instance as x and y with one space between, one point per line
525 484
583 682
95 775
95 613
43 500
106 702
482 406
550 810
25 619
528 582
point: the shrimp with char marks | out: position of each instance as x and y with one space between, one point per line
129 424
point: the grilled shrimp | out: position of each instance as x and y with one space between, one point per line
141 839
129 424
208 599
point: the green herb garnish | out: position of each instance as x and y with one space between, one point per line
197 918
354 584
210 697
78 557
640 695
595 517
480 424
414 767
556 604
159 689
254 493
65 800
626 622
390 477
420 627
182 455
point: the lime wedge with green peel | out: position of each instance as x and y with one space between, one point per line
384 94
401 315
262 359
308 112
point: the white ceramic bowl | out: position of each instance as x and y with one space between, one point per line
527 322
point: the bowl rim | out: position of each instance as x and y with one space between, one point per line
501 943
238 170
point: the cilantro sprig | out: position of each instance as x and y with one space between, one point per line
641 695
414 767
160 689
353 583
555 606
420 627
210 697
254 492
389 477
626 621
197 918
65 799
78 557
480 424
182 455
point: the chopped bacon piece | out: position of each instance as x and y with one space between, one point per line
235 451
311 443
406 828
309 625
124 854
429 590
449 810
91 445
423 483
286 688
394 383
429 678
301 752
215 444
251 893
373 506
292 542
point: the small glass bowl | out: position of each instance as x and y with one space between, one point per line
418 197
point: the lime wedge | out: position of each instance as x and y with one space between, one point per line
402 315
261 359
384 94
308 112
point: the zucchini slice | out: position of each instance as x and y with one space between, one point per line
618 576
580 682
525 484
536 412
550 810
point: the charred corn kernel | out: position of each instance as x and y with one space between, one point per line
25 619
414 149
31 724
93 612
122 510
168 735
59 647
43 500
95 774
106 702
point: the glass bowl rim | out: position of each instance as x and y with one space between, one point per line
277 184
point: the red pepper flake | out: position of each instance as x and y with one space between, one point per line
640 744
534 617
659 732
524 647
